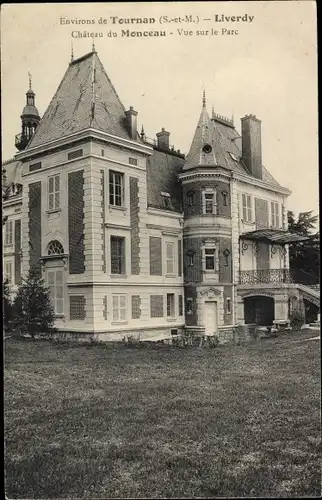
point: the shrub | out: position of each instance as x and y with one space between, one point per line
297 318
7 306
33 311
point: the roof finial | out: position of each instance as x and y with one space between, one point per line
212 112
93 46
72 53
203 98
142 134
29 74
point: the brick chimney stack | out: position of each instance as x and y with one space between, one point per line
131 116
163 139
252 145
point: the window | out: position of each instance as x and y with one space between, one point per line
55 283
191 259
77 307
156 306
166 200
34 166
55 248
136 306
169 258
180 305
119 307
228 305
210 258
210 202
53 192
116 180
8 271
247 207
189 306
117 255
224 198
75 154
102 152
190 198
8 233
170 305
133 161
275 214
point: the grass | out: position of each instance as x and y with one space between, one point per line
127 422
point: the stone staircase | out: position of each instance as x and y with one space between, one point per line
310 292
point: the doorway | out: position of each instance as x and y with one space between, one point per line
210 317
259 310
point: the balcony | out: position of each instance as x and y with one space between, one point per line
277 276
21 141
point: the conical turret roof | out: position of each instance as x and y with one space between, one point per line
202 149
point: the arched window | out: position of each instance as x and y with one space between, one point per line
55 248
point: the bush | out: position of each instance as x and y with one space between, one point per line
32 307
297 318
7 306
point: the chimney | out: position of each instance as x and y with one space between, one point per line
131 116
163 139
252 145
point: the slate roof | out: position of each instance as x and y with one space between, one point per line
162 176
85 98
221 134
13 172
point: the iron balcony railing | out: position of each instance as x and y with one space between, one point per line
21 141
271 276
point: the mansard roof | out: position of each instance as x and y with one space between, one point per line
162 177
85 98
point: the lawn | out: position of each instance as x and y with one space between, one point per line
163 422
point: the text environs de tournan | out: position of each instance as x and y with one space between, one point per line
222 18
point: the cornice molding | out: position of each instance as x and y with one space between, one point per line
88 133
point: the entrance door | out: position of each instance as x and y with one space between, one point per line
210 318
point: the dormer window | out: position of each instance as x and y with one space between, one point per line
207 148
210 201
234 157
166 200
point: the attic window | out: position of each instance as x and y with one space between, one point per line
234 157
75 154
133 161
34 166
166 199
207 148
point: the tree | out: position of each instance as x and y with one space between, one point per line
305 255
33 311
7 306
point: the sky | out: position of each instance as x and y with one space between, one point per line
268 69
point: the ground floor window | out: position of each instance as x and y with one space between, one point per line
119 307
8 271
56 286
180 305
170 305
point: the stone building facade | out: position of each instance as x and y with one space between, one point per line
133 237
